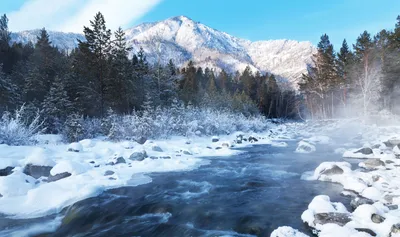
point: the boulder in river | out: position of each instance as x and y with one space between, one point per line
340 219
365 151
305 147
372 163
358 201
332 171
215 139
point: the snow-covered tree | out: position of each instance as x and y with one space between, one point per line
56 106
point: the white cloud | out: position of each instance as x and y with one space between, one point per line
34 14
116 12
72 15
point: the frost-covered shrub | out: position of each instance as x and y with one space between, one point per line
77 128
179 120
18 129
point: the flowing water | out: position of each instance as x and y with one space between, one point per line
249 194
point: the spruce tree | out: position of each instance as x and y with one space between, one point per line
96 51
56 106
119 86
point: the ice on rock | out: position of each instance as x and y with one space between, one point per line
286 231
305 147
75 147
67 166
40 157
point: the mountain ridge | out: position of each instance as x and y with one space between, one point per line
182 39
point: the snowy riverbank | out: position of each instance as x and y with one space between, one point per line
373 185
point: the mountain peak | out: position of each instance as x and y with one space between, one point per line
181 39
181 18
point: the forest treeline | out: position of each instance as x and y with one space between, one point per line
102 76
353 82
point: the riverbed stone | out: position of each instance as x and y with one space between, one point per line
368 231
215 139
365 151
395 229
141 140
373 163
187 152
120 160
252 139
37 171
377 218
109 172
333 171
6 171
156 148
332 217
138 156
53 178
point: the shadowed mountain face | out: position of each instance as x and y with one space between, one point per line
182 39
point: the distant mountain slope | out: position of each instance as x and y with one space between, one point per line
182 39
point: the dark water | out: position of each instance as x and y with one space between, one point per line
248 194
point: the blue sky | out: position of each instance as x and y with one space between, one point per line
250 19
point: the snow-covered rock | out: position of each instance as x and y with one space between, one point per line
75 147
286 231
16 184
305 147
215 139
39 157
72 167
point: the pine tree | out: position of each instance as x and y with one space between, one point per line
56 106
319 84
96 50
42 68
343 65
189 85
5 39
119 86
248 82
8 92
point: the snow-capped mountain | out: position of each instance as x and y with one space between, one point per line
64 41
182 39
